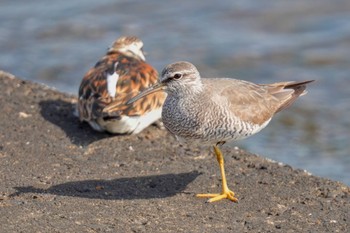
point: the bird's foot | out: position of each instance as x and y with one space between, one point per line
159 124
228 194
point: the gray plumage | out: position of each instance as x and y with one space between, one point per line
217 110
220 109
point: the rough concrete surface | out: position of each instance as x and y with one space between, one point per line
57 175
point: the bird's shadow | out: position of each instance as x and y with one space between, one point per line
60 113
146 187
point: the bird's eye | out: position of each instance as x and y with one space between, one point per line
177 76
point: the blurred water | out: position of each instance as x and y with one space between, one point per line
56 42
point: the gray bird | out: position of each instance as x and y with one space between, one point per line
217 110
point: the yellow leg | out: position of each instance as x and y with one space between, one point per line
226 192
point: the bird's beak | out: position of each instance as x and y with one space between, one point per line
150 90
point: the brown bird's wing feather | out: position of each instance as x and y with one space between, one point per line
134 76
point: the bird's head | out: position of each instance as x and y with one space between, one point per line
176 78
129 45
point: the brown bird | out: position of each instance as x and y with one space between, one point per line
217 110
117 77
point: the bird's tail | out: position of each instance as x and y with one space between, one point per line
287 92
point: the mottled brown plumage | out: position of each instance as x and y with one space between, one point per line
102 102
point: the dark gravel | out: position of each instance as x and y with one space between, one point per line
57 175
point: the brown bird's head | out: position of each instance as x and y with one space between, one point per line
128 45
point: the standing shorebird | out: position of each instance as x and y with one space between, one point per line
217 110
117 77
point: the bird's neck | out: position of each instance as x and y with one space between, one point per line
127 53
188 91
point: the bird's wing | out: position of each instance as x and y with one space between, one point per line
250 102
257 103
97 97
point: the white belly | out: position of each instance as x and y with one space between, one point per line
129 124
